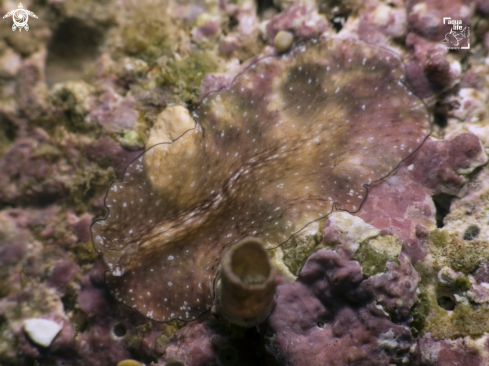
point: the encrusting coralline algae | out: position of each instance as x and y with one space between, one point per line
420 236
294 137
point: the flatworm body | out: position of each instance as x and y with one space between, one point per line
293 136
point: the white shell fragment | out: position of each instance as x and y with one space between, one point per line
41 331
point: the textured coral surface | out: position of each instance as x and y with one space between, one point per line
278 131
327 318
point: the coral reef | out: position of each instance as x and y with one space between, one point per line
93 84
209 341
327 318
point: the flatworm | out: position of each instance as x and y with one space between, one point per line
294 137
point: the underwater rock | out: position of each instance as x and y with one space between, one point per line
425 17
246 284
197 337
452 290
290 257
327 318
105 151
112 329
74 98
460 351
32 169
483 6
375 254
81 227
443 166
468 220
207 28
14 237
10 63
293 137
208 341
429 70
396 289
36 302
402 203
468 107
41 331
132 140
57 159
113 111
380 22
31 93
479 293
348 231
302 20
62 273
283 41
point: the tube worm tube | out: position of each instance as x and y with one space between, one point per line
247 284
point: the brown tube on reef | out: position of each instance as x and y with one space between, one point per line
247 284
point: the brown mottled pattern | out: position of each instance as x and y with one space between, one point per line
293 135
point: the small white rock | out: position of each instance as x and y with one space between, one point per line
41 331
283 41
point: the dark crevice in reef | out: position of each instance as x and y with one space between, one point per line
442 203
338 22
440 119
264 6
73 47
119 330
472 232
446 302
8 130
337 12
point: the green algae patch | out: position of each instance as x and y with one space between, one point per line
137 337
133 140
461 318
73 99
145 31
87 182
374 254
85 252
462 283
8 343
147 45
420 311
47 151
277 258
186 75
448 249
465 320
300 247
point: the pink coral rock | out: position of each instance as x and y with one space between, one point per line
396 289
402 203
325 318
